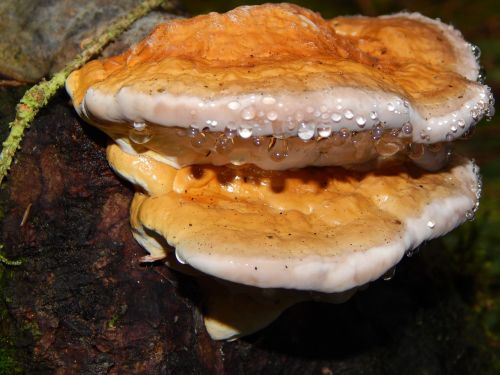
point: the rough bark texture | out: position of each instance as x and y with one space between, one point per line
81 302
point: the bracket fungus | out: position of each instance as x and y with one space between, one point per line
281 157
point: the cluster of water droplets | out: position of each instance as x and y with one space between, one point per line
471 214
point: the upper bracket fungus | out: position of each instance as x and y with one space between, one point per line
275 149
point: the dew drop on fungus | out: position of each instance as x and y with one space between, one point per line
140 133
324 131
341 137
271 116
470 215
278 149
377 131
268 100
305 131
431 224
407 128
461 123
388 148
476 51
245 131
390 107
224 144
348 114
373 115
481 76
192 132
336 117
248 113
233 105
199 140
139 126
258 141
361 121
416 151
389 274
230 132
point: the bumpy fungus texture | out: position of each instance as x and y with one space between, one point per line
212 117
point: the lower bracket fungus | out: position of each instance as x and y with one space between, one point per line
280 157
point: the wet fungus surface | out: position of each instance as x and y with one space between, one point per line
296 156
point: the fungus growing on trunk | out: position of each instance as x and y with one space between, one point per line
283 157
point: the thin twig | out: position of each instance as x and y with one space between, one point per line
38 96
11 83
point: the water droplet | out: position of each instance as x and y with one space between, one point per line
373 115
361 121
306 131
199 140
390 107
140 135
348 114
470 215
248 113
387 148
230 132
461 123
431 224
416 151
474 114
389 274
139 126
407 128
377 131
336 117
233 105
476 51
179 258
324 131
258 141
278 149
481 76
192 131
317 113
341 137
309 109
271 116
453 128
245 131
268 100
224 144
412 252
424 135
